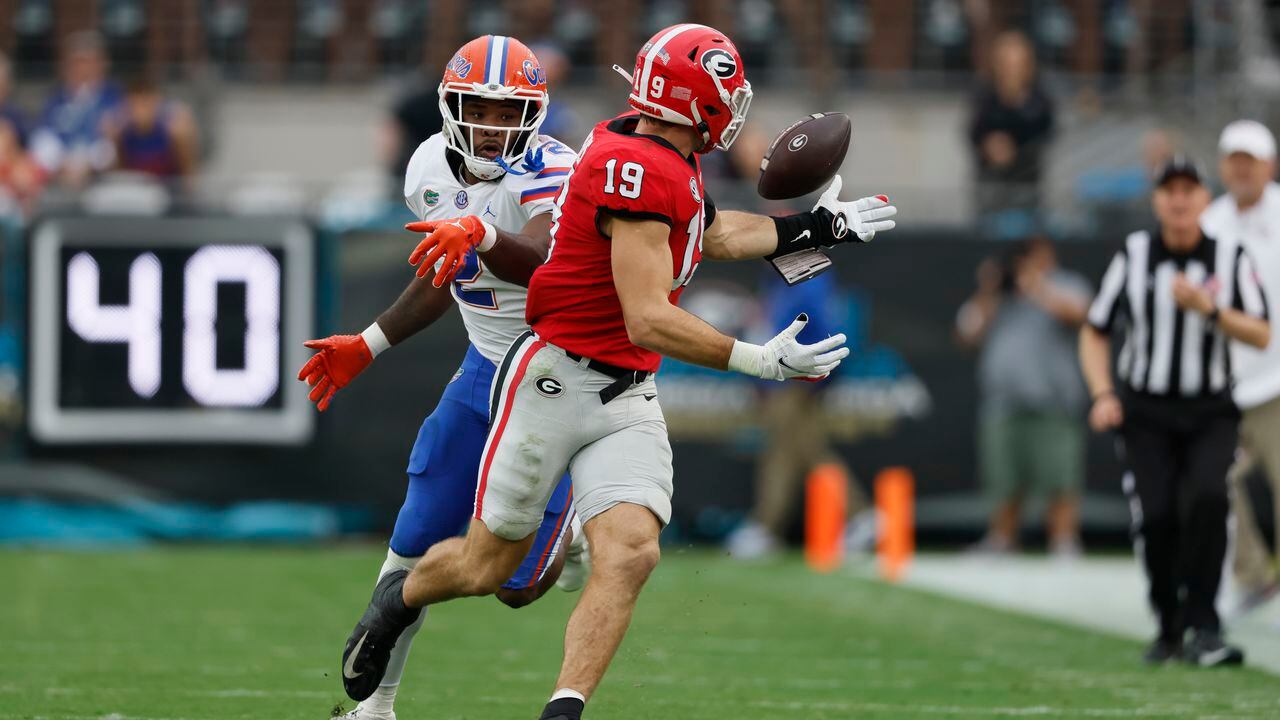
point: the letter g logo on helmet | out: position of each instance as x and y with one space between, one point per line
719 63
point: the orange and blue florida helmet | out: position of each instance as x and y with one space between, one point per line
493 67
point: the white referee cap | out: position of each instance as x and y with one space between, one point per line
1249 137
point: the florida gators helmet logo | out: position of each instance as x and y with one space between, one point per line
459 65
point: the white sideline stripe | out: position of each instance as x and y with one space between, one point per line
1102 594
1169 710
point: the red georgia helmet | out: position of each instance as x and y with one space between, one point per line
692 75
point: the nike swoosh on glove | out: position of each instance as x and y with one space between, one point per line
449 240
785 358
864 216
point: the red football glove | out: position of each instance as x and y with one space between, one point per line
449 239
339 360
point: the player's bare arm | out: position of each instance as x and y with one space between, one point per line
340 358
514 256
510 256
641 258
736 235
419 305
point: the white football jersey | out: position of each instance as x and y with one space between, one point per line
492 309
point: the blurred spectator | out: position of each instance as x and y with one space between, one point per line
70 142
1025 316
740 166
1157 149
561 122
21 178
1011 125
415 117
792 418
808 22
152 134
1118 195
533 22
8 111
1162 40
1250 212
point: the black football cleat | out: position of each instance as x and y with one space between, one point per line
364 661
1162 650
1206 649
563 709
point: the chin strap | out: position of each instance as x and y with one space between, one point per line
533 163
701 126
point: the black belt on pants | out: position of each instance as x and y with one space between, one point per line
622 377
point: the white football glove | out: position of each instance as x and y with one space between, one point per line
865 217
782 358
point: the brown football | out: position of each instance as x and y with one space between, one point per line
805 156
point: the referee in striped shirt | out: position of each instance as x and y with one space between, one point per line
1180 297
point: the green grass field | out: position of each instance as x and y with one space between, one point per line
257 633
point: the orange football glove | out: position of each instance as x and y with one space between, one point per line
339 360
449 239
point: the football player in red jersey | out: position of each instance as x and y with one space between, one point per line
630 226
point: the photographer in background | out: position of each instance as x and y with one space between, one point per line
1024 317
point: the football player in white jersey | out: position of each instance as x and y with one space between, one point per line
489 172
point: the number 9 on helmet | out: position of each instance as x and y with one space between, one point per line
692 75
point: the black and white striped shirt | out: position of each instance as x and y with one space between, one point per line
1168 351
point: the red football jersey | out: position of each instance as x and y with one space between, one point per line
572 299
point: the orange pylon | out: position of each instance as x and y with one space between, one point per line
895 520
826 509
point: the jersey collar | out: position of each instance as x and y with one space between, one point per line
1202 250
626 125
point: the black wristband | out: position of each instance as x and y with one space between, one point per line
804 231
1215 314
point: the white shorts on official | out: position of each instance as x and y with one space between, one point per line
546 416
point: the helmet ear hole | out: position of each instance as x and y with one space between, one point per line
711 110
693 53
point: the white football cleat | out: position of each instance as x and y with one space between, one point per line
577 560
360 712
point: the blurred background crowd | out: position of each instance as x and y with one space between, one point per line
1021 110
1016 136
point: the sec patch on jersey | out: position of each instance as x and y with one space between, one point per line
804 157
